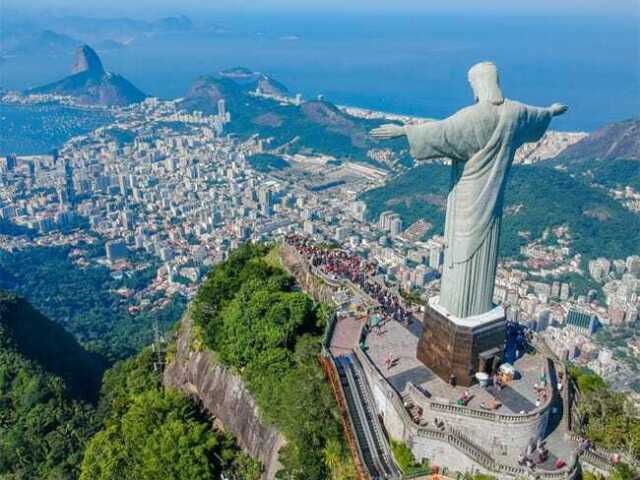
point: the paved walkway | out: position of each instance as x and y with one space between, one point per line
346 334
401 344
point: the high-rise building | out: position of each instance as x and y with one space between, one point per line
34 170
62 196
358 209
383 222
342 233
9 163
309 227
123 183
395 225
633 264
265 197
420 275
436 257
542 320
222 109
68 181
581 321
599 269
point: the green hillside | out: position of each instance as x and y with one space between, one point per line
37 338
44 421
537 198
52 429
249 312
315 126
150 432
83 301
609 157
617 173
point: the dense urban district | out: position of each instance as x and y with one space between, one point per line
143 206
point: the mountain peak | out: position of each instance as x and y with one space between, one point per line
86 59
91 84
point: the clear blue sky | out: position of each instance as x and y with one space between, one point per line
151 8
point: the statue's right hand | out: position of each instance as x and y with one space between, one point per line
558 109
385 132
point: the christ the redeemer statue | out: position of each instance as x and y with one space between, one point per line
480 141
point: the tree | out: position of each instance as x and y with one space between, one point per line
158 437
270 333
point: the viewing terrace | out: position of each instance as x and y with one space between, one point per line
398 343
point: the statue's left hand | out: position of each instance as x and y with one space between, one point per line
558 109
388 131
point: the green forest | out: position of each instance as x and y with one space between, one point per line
46 416
82 299
249 312
54 425
64 415
150 432
265 162
537 198
609 418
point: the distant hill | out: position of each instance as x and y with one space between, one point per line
316 126
538 197
609 156
619 140
55 351
46 42
179 23
116 28
109 45
91 84
271 86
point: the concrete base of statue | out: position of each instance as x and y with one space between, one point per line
461 347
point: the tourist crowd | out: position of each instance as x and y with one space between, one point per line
340 264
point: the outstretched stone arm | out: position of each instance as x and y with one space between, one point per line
388 131
558 109
392 130
535 121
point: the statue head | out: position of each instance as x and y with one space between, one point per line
485 83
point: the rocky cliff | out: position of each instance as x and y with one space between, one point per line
619 140
225 397
91 84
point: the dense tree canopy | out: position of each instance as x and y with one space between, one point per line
251 315
152 433
609 418
83 299
44 424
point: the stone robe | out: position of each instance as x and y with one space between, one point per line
481 141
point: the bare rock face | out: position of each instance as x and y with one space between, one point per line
270 86
225 397
620 140
86 59
90 84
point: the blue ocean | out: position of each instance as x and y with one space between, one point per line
411 65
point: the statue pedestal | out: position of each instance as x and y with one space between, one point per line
461 346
